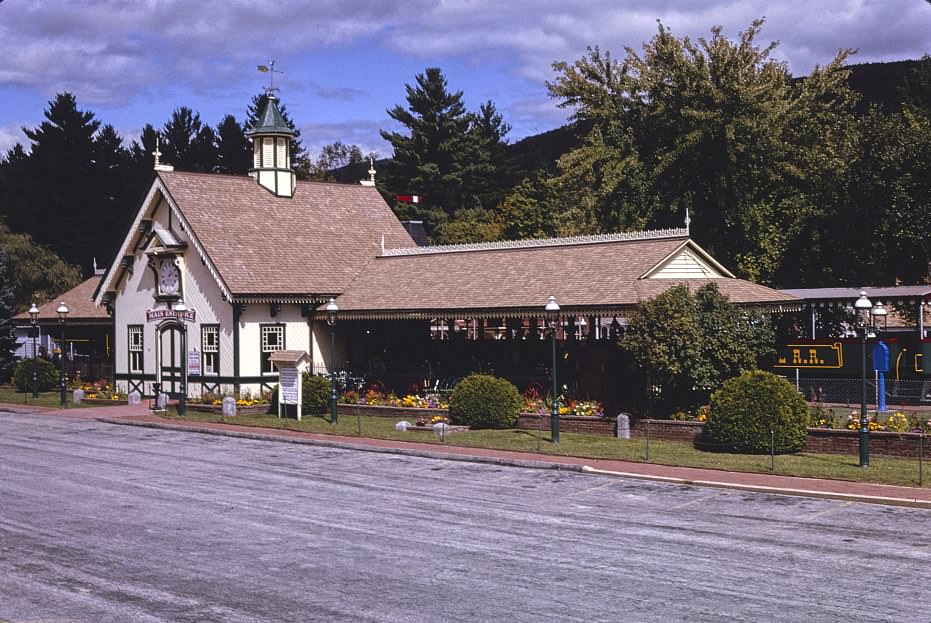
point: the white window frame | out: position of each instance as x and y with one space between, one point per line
135 362
210 349
266 330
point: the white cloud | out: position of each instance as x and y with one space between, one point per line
9 136
113 53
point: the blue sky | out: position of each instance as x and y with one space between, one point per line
345 62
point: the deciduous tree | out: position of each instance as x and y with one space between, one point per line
688 344
716 127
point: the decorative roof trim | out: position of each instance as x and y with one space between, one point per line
186 227
527 312
284 299
532 243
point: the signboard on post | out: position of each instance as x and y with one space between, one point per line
193 362
291 365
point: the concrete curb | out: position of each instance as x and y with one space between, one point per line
531 464
809 493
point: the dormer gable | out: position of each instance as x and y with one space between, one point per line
689 261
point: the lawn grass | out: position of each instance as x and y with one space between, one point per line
884 470
9 395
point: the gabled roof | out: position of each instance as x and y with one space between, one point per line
596 275
80 302
262 246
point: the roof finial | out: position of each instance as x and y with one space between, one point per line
687 220
270 69
371 180
158 165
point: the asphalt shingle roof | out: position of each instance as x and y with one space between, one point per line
318 241
80 302
589 275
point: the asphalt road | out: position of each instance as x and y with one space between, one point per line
109 523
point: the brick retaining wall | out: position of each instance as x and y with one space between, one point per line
820 440
569 424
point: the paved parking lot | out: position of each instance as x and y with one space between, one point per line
110 523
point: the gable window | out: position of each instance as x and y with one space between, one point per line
210 348
272 340
135 348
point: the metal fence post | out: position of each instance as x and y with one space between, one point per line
647 457
921 451
772 450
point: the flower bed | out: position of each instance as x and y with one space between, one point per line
253 409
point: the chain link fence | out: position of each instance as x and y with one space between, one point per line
849 391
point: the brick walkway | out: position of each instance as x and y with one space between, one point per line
140 415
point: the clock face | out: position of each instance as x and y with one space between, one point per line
169 278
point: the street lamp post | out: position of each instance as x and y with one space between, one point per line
331 311
62 314
863 307
182 399
552 314
34 320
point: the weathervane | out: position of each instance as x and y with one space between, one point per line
270 69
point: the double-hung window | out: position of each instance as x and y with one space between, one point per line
210 348
272 340
135 348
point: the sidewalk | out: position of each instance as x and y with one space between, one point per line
140 415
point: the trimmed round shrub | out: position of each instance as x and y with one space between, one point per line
46 375
315 393
748 407
485 401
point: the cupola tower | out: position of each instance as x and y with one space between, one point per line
271 149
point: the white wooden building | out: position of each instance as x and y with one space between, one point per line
238 266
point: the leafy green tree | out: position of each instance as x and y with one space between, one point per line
716 127
526 211
234 150
917 90
7 335
469 225
688 345
335 157
34 272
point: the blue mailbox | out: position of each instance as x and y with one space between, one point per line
880 357
881 366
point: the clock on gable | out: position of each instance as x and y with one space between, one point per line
169 278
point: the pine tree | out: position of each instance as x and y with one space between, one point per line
453 158
234 151
430 160
65 192
188 144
